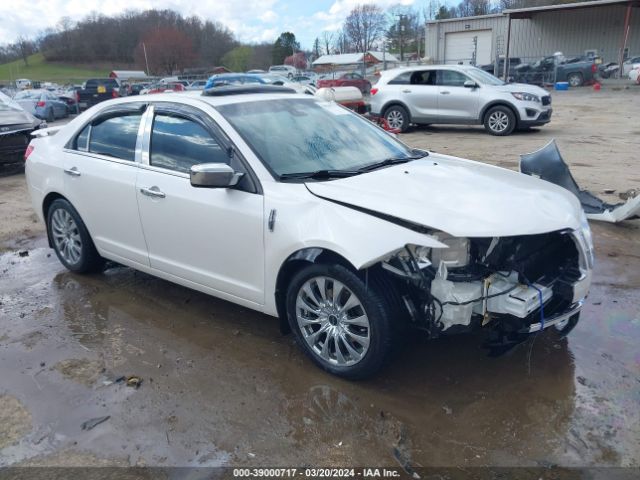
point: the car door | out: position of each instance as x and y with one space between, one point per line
212 237
457 103
100 166
421 95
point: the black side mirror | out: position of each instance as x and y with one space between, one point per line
214 175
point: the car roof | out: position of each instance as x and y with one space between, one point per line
191 97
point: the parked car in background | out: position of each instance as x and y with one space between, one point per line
16 126
165 88
256 70
457 94
279 80
136 88
42 104
96 90
69 98
629 64
350 79
556 68
222 79
284 70
22 83
272 200
303 80
197 85
634 74
491 67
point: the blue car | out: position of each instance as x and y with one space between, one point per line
233 79
42 104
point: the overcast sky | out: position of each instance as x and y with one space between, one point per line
250 20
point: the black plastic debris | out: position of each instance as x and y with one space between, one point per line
94 422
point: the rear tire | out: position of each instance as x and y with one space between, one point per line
575 79
500 121
397 117
71 240
354 319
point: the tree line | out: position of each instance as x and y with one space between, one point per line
163 41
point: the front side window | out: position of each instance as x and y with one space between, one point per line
178 143
306 135
115 136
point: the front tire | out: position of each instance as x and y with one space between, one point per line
71 240
397 117
341 323
500 121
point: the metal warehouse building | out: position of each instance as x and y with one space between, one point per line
607 28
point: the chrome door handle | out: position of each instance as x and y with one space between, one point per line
152 192
406 91
446 92
73 171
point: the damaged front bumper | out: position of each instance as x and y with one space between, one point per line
557 320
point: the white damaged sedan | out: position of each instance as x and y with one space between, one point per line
298 208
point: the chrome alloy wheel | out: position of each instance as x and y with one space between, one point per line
498 121
66 236
333 321
395 119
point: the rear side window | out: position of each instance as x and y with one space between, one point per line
115 136
178 143
402 79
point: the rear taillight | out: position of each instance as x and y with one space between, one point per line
28 151
114 94
41 103
374 91
77 96
594 68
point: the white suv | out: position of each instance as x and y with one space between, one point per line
458 94
284 70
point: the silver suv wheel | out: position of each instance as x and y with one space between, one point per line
498 121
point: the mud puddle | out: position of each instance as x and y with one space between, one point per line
221 386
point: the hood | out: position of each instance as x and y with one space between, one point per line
460 197
523 87
13 118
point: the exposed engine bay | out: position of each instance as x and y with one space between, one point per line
509 283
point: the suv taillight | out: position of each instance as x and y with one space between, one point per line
374 91
41 103
594 68
114 94
28 152
77 96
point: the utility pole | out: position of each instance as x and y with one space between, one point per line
146 62
401 17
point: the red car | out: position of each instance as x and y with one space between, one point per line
168 87
347 80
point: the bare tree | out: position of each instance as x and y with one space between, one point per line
364 26
327 42
26 47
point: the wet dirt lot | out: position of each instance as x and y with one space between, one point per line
222 386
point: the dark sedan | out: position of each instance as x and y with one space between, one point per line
16 126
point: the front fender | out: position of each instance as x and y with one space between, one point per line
303 221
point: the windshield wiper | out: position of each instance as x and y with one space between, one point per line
320 174
390 161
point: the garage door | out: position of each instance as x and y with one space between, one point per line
459 47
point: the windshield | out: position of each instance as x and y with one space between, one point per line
483 78
306 135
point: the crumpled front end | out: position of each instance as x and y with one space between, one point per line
510 285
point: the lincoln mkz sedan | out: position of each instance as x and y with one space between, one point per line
301 209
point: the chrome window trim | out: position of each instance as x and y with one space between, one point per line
101 157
